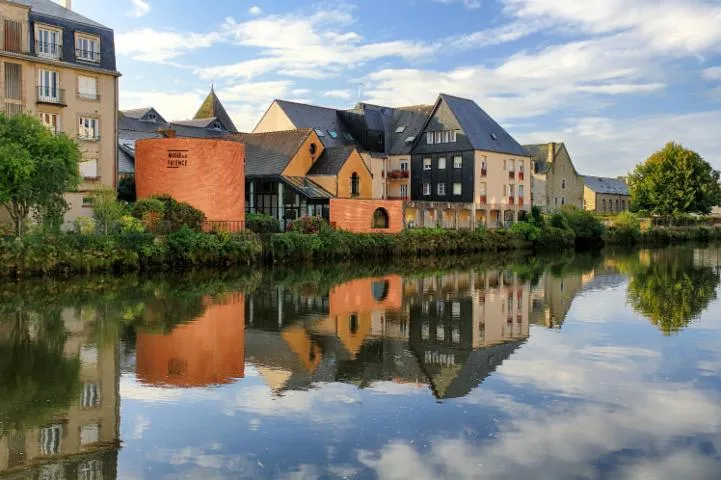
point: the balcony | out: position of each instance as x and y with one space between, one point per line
90 136
87 55
398 174
52 51
483 199
511 175
51 96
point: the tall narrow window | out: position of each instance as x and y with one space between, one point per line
454 136
48 86
354 185
457 189
458 162
404 192
439 137
51 120
426 164
51 439
13 81
429 138
441 189
404 166
13 36
441 163
426 189
49 43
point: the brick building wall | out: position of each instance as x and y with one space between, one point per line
357 215
208 174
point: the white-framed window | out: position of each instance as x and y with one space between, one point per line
89 169
520 165
454 136
89 434
90 470
90 396
511 166
404 166
50 120
426 189
446 136
482 187
441 189
439 137
427 164
87 48
505 190
88 88
48 43
458 162
441 163
89 128
429 138
48 85
457 189
51 439
511 190
404 191
520 191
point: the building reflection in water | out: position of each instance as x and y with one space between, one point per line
79 439
207 351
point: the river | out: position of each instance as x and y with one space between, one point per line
584 365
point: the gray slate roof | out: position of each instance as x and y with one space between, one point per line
199 122
331 161
136 113
314 117
267 154
126 160
605 185
52 9
413 118
479 126
306 187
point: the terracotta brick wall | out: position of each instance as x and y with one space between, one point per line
357 215
208 174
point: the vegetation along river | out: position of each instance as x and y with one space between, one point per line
578 366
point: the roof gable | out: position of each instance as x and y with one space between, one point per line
331 161
212 108
321 119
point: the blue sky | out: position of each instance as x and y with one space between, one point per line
613 79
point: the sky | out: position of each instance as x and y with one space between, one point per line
615 80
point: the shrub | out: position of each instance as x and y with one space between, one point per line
626 228
536 217
126 189
308 225
84 225
558 220
261 223
164 214
107 210
555 238
586 225
526 231
130 224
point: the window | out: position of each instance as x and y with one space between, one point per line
13 36
90 396
13 81
89 169
604 205
441 189
380 218
354 185
429 138
426 164
426 189
404 166
457 162
87 48
49 43
88 128
563 200
90 470
48 86
511 166
555 199
313 149
348 136
333 134
441 163
439 137
454 136
511 190
51 439
401 129
319 132
494 136
51 120
563 184
89 434
457 189
446 137
151 116
482 187
410 139
88 88
623 204
404 191
520 166
520 191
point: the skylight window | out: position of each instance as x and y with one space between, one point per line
333 134
320 132
348 136
410 139
401 129
494 136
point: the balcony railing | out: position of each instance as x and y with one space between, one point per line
53 51
55 96
87 55
89 136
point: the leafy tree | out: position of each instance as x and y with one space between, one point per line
673 181
36 168
107 210
126 189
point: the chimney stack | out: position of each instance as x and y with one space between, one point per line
67 4
551 152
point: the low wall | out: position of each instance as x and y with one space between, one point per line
208 174
357 215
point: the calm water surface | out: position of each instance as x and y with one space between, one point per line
583 366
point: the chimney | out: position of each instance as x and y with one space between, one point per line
67 4
551 152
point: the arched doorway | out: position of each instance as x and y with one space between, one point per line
380 218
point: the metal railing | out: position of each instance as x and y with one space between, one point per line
52 95
49 50
87 55
227 226
89 136
88 96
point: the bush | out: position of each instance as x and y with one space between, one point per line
586 225
308 225
555 238
261 223
107 210
626 228
84 225
558 220
130 224
162 214
526 231
126 189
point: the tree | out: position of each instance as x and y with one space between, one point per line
107 210
126 189
36 168
673 181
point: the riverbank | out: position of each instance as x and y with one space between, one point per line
64 255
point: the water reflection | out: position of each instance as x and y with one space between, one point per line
393 372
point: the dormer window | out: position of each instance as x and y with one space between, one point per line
348 137
333 134
152 117
313 148
49 43
216 126
87 48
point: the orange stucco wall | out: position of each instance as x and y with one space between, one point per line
304 159
208 351
355 164
357 215
208 174
359 296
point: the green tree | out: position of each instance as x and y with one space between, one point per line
673 181
107 210
36 168
126 189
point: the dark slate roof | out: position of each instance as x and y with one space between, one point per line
126 160
479 127
307 187
267 154
331 161
200 122
189 131
136 113
320 118
53 9
413 118
213 108
605 185
133 123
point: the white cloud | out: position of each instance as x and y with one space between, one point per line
470 4
161 46
172 106
140 8
343 94
255 10
713 73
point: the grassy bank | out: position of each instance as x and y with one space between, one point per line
662 236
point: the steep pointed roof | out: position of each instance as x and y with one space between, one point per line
213 108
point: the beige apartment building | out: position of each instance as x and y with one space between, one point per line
555 182
60 66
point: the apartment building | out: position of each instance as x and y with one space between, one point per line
60 66
555 182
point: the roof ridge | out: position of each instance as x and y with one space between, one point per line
305 130
307 104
